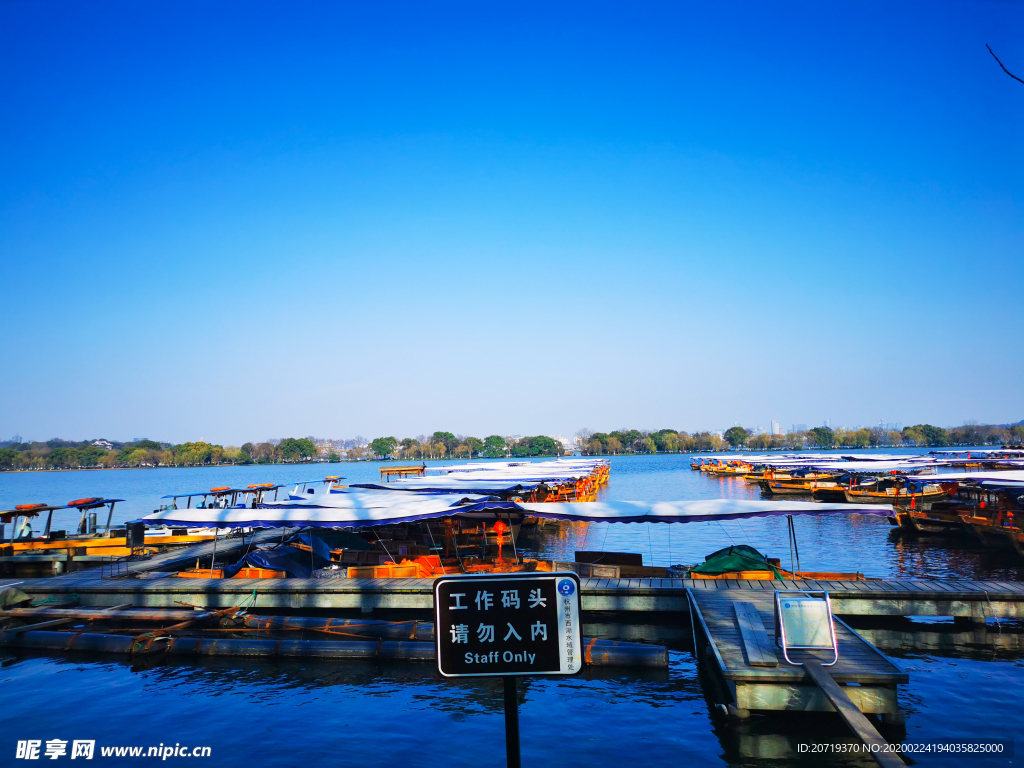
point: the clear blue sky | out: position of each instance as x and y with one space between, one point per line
249 220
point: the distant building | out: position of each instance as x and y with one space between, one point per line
799 428
567 445
776 429
104 444
719 433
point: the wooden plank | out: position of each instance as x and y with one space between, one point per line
882 585
926 586
691 598
8 634
1001 587
755 639
853 717
920 585
846 586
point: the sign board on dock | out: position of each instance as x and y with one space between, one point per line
508 624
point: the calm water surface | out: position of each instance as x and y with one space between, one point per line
301 713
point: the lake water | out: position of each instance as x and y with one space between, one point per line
302 713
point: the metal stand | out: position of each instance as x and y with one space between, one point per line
806 636
511 722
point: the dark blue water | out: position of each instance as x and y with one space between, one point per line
297 714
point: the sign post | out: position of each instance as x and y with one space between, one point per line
507 625
512 758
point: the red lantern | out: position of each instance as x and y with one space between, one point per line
499 531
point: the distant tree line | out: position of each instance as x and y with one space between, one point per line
442 445
67 454
644 441
917 435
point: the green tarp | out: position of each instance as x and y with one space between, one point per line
11 597
736 558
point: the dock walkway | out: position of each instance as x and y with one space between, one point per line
886 597
737 630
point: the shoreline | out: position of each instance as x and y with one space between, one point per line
523 458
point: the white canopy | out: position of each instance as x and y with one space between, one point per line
871 466
335 510
344 510
468 484
990 476
982 451
692 511
500 470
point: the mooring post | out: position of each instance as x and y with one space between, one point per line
511 722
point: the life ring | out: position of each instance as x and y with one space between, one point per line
24 507
85 502
215 490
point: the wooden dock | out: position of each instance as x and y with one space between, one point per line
919 597
736 629
386 473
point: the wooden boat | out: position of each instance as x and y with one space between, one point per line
800 483
894 491
755 477
730 468
744 562
941 518
1000 530
991 516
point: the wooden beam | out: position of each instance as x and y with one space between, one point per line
853 717
8 634
755 638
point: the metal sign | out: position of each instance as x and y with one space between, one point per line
508 624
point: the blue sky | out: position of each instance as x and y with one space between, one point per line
246 220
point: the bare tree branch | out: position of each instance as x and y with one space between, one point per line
1001 65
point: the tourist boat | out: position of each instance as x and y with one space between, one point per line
91 544
993 515
895 491
760 473
736 467
987 506
800 482
837 492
